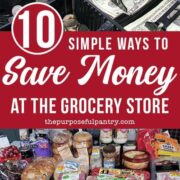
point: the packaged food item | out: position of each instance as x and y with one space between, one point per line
95 159
27 154
4 142
73 176
166 165
129 146
132 134
168 175
59 138
95 134
69 164
106 136
120 136
121 173
40 168
10 153
168 153
137 160
109 153
12 170
118 153
146 141
165 143
42 148
83 139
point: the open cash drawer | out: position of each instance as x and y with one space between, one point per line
97 20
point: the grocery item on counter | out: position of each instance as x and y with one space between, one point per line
73 176
168 153
95 134
27 154
71 164
42 148
59 138
41 169
130 145
83 139
146 141
168 175
132 134
137 160
120 136
109 153
10 153
118 155
165 143
106 136
96 158
121 173
4 141
12 170
166 164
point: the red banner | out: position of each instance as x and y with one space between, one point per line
91 80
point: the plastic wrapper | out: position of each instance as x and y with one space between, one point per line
121 173
10 153
12 170
168 176
69 164
40 169
146 140
164 142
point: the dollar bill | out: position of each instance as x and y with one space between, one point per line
115 8
153 16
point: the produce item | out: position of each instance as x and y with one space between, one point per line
109 153
168 175
40 169
42 148
121 173
95 159
69 164
129 146
165 143
120 136
83 139
137 160
146 141
106 136
10 153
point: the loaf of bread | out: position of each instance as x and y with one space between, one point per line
39 169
